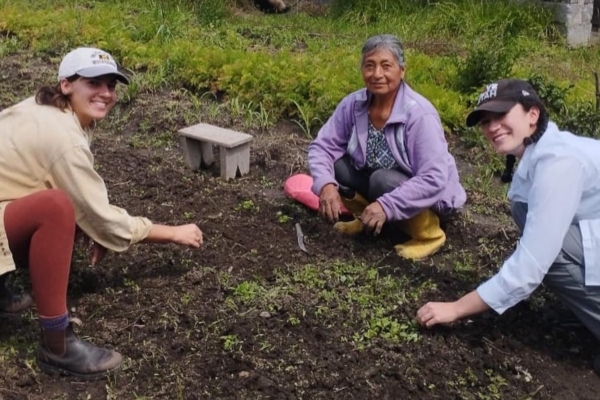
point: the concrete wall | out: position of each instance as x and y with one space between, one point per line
574 18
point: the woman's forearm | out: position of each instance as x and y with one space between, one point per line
160 234
470 304
187 235
434 313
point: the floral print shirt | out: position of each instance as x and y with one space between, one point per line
379 155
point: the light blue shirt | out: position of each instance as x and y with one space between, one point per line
559 179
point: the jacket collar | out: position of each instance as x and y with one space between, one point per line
525 161
399 109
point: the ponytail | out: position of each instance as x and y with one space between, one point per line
509 165
53 95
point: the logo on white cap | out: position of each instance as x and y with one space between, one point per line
89 62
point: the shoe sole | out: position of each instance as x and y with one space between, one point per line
57 371
422 258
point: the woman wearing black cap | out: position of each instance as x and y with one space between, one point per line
555 201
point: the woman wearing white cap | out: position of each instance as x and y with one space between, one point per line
555 202
50 187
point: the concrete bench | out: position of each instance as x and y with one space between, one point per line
234 148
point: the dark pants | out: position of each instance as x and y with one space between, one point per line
370 185
566 276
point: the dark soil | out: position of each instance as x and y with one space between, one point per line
171 311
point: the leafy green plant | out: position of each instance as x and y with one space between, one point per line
505 21
307 120
9 44
282 218
230 342
247 205
581 118
388 328
552 94
484 64
210 12
356 11
248 291
185 298
130 283
264 117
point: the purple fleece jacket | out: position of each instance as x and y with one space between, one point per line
416 138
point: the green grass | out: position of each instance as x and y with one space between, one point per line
374 303
299 66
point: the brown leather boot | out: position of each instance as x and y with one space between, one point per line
13 303
61 352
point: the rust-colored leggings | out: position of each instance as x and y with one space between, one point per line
41 229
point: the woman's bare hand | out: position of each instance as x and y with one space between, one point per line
98 252
330 203
373 217
187 235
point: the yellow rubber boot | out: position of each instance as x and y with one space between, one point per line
356 206
427 236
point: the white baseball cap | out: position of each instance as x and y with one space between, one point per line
90 62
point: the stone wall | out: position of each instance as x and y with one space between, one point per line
574 18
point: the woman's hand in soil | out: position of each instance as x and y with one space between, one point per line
437 313
98 253
445 313
373 217
330 203
188 235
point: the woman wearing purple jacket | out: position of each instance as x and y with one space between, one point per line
383 155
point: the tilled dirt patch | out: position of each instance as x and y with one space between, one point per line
251 316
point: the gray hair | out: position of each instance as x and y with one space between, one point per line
384 42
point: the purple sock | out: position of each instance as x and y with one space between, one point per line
54 323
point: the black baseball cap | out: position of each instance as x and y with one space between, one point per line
500 97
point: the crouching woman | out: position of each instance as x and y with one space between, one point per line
555 202
49 187
383 155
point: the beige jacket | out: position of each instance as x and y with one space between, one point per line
43 147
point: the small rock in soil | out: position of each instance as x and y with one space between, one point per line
265 315
244 374
195 276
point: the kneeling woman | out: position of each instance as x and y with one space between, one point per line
49 187
384 156
555 201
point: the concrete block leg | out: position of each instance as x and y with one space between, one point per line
191 152
196 153
233 159
206 153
